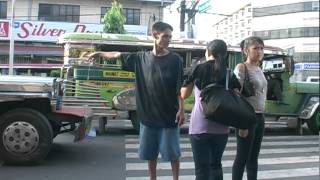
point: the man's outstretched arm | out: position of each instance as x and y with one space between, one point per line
110 55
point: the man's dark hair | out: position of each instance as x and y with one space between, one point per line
161 26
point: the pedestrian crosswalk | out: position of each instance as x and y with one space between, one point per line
281 158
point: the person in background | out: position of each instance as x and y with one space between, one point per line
208 139
159 104
249 140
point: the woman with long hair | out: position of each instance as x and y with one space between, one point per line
208 139
249 140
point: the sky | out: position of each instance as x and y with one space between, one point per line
203 21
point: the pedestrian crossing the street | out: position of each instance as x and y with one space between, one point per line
281 158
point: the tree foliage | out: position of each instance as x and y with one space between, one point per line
114 20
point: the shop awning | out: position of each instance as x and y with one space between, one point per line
32 50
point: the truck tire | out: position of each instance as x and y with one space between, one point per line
25 137
314 122
134 120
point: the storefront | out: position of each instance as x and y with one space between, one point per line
35 43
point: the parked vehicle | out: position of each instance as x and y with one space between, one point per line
31 115
104 79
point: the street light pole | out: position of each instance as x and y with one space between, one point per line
11 55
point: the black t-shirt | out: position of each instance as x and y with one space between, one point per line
158 83
203 75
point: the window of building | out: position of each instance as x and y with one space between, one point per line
295 32
315 6
306 57
311 32
132 15
249 21
283 33
3 9
58 12
103 11
286 9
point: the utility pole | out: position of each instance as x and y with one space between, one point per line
182 14
11 55
191 14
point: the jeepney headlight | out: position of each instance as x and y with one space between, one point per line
313 101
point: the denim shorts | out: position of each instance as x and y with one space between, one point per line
165 141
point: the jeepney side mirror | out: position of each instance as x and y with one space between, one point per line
291 65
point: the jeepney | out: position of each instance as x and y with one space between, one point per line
104 78
31 115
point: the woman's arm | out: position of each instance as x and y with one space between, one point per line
180 114
186 91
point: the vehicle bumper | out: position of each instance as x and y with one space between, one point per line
85 116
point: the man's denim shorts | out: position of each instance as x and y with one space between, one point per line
163 140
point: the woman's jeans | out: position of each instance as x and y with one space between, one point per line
248 151
207 153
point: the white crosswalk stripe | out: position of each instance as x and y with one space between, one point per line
284 157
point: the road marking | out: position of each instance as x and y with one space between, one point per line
271 145
226 163
133 138
270 174
185 154
234 144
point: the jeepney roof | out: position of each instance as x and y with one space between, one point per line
146 41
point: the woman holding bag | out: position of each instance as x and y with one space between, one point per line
208 139
249 140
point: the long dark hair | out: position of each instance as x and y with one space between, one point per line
218 49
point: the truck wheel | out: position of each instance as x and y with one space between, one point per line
25 137
314 122
134 120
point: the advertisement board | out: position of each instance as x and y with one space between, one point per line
44 31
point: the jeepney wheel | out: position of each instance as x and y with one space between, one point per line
314 122
134 120
25 137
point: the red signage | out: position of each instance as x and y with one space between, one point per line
44 31
4 29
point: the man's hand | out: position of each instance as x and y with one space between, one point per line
93 56
180 117
243 133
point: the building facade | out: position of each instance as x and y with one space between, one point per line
235 27
39 23
289 24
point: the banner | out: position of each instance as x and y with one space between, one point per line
44 31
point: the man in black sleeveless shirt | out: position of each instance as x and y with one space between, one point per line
159 105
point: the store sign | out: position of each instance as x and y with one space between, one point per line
4 29
50 31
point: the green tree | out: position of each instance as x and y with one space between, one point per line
114 20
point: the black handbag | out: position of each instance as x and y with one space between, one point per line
247 88
225 106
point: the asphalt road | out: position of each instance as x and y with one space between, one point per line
105 157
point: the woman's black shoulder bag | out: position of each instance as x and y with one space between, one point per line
225 106
247 88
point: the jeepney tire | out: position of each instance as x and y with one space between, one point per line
134 120
37 132
313 122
